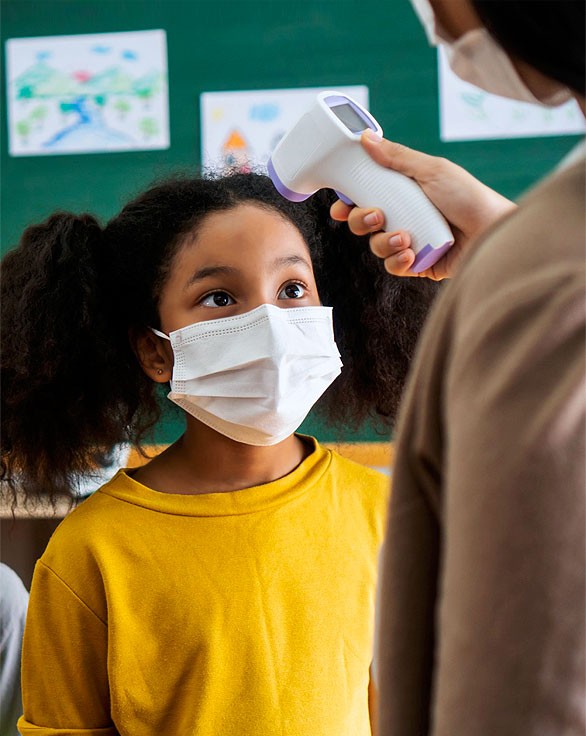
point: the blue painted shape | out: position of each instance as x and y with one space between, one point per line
89 128
264 112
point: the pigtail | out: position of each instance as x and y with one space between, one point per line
377 321
72 293
62 407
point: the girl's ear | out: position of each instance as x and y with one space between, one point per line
154 354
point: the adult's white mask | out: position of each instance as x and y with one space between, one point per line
478 59
254 377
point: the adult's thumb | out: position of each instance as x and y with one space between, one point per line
396 156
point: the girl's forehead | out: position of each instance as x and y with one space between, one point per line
246 224
245 214
244 235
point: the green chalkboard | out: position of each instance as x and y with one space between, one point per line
218 45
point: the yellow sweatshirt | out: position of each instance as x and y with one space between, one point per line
247 613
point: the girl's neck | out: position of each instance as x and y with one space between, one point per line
204 461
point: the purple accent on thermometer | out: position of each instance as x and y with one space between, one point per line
344 198
282 189
429 255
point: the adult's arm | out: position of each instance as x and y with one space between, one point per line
483 626
512 602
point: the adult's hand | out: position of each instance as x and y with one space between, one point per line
468 205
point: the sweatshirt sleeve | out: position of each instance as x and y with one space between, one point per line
511 614
483 580
64 665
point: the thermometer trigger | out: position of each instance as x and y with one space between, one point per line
344 198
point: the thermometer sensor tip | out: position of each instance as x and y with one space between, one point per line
282 189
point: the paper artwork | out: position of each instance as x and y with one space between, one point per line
239 130
88 93
469 113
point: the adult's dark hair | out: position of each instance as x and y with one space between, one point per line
547 34
72 293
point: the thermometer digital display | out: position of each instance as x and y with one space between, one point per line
323 150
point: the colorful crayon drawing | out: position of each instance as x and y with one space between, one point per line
88 93
469 113
236 153
239 130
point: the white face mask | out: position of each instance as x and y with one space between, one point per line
254 377
478 59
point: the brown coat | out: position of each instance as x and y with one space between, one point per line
482 600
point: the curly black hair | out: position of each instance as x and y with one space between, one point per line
72 292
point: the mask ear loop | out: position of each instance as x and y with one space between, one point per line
160 334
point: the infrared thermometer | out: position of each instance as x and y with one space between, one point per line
323 150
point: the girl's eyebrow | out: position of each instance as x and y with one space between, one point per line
292 260
219 270
207 271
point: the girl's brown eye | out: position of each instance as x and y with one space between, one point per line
292 291
221 300
217 299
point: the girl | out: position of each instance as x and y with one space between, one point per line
227 586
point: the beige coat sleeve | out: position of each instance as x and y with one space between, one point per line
510 617
483 594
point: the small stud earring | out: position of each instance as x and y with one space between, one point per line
159 371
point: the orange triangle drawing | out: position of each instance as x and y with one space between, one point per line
235 140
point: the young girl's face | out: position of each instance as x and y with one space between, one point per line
239 259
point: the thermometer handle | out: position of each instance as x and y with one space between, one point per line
402 201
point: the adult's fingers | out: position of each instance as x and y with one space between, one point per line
384 245
361 220
340 211
400 264
394 249
419 166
